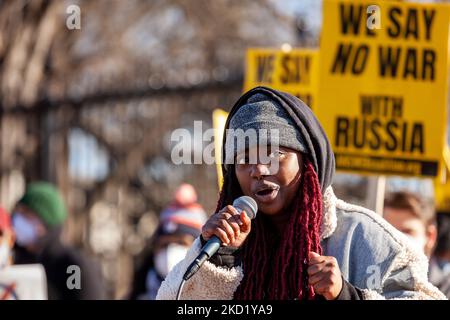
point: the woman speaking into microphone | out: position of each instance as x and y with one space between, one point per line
304 242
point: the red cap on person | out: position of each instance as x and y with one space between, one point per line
5 220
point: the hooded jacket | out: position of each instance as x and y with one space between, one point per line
372 255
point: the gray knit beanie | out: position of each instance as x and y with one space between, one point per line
261 113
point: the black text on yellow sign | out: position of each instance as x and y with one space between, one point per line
295 71
394 61
383 90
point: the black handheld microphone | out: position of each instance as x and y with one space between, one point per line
243 203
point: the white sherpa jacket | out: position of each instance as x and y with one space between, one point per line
372 255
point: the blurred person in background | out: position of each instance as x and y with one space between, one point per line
415 217
6 239
441 254
24 282
37 220
180 223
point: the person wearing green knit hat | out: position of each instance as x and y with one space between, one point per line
45 200
39 214
37 220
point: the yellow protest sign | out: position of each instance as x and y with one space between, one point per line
442 183
294 71
383 85
442 197
219 120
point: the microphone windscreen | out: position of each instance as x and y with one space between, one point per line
246 204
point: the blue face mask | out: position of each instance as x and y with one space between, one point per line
26 231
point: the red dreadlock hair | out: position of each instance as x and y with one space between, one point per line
277 270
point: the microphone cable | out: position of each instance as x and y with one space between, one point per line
180 289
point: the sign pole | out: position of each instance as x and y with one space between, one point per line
375 193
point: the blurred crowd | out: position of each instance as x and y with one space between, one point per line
30 236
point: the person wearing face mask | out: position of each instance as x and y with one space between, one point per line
24 282
37 221
6 239
440 260
180 223
415 217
